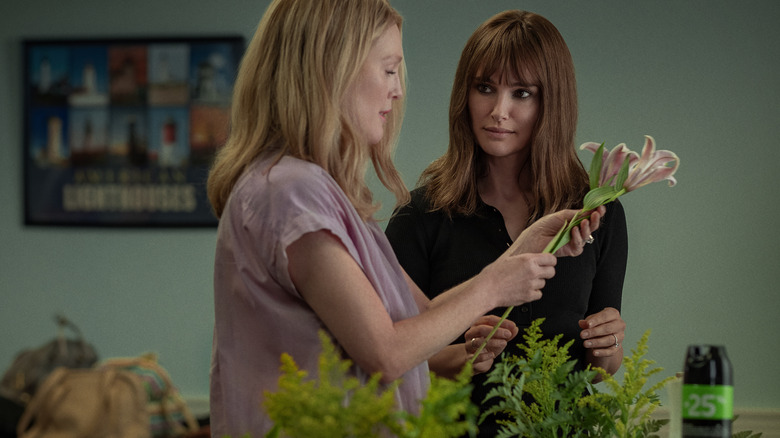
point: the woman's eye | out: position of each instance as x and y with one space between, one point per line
484 88
391 72
522 94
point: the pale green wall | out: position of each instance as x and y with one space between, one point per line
700 76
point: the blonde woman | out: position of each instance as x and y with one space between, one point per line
319 96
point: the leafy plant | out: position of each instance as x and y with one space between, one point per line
337 405
626 410
541 395
744 433
538 393
447 410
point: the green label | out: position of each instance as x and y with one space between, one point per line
707 402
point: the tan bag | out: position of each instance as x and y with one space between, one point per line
86 403
169 415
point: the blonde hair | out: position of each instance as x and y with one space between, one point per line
288 95
530 47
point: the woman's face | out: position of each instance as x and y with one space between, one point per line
369 99
503 113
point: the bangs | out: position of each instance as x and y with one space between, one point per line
509 53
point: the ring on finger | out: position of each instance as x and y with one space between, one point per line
589 239
473 344
617 344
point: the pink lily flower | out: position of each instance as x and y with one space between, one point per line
653 166
611 161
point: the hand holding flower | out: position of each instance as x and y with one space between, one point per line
479 331
612 174
536 237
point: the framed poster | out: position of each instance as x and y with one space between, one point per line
121 132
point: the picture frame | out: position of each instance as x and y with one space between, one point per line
122 131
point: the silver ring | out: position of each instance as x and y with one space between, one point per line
472 344
617 344
589 239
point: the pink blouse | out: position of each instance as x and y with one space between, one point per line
258 312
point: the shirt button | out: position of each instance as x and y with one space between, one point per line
524 309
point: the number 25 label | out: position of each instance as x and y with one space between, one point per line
707 402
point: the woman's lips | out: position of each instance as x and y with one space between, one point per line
496 132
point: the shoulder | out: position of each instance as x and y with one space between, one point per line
615 214
286 188
417 209
613 231
285 178
285 172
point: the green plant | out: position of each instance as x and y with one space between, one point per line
626 410
540 395
337 405
447 410
537 393
744 433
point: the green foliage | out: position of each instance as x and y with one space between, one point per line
447 410
538 394
744 433
626 410
545 373
554 405
594 173
337 405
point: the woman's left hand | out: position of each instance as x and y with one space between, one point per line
603 333
477 334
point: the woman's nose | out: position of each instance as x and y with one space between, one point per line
500 110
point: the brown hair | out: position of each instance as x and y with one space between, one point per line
288 94
529 46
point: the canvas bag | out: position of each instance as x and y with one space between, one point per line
87 403
169 415
31 367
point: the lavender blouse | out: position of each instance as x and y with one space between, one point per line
258 312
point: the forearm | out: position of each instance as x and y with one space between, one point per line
610 364
449 361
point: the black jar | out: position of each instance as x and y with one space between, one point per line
707 393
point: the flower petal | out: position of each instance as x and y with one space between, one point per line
591 146
652 166
615 161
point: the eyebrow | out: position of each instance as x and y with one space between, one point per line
394 58
514 84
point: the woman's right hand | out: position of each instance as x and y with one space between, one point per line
476 335
518 279
536 237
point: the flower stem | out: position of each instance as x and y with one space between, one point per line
490 335
551 248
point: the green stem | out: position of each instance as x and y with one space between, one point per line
551 248
490 335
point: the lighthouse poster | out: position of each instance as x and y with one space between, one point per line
121 132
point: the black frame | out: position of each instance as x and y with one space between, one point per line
122 131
